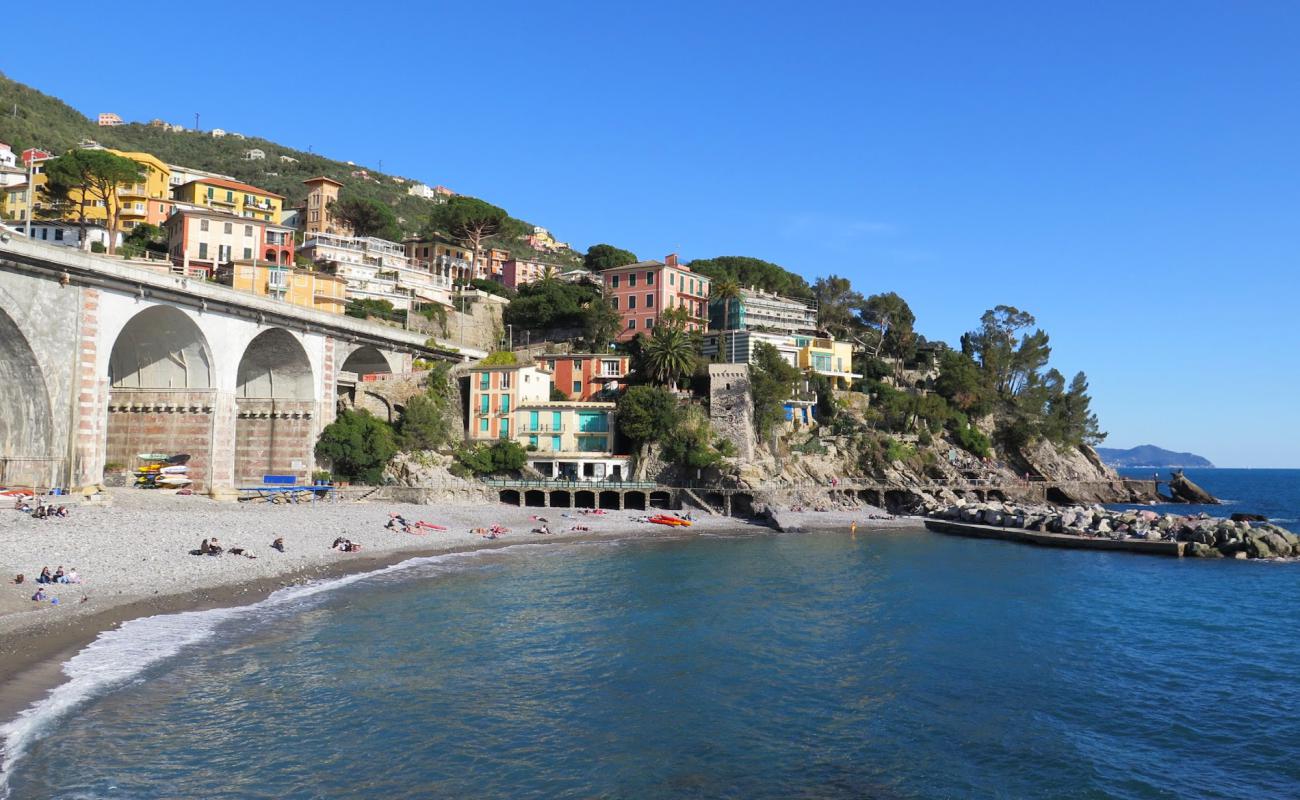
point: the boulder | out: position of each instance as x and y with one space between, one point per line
1199 550
1184 491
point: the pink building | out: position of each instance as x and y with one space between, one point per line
516 272
641 292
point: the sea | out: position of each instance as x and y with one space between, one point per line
898 664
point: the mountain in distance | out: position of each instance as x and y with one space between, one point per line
1148 455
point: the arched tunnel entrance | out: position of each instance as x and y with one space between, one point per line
274 409
609 500
25 430
584 498
560 498
535 497
509 496
634 500
661 500
160 394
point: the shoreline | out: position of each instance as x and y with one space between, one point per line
36 643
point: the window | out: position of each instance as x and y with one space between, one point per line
58 234
483 425
230 197
649 300
203 249
613 301
577 388
555 443
505 428
203 224
649 323
672 279
609 368
631 279
577 363
532 441
649 279
505 380
210 192
483 401
248 230
248 253
631 324
484 380
229 227
631 302
505 404
613 282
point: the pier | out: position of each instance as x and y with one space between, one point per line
1157 547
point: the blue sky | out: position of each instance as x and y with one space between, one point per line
1125 171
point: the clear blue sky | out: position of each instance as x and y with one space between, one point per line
1125 171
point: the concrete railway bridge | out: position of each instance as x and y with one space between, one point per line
101 360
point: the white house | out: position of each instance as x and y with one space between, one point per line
7 156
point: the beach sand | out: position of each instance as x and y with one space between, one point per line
133 557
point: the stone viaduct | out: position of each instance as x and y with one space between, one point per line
101 360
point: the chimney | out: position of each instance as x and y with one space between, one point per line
670 260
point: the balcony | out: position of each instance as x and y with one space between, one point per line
132 191
528 428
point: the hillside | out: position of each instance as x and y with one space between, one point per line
34 119
1148 455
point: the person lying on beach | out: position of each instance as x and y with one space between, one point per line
278 544
396 521
345 545
580 528
45 576
61 511
239 551
543 530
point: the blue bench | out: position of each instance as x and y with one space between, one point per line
275 487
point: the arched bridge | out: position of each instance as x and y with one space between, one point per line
101 360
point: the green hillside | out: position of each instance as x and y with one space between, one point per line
33 119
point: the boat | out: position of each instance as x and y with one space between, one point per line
180 469
179 458
669 519
172 480
152 456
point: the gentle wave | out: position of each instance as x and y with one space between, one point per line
116 656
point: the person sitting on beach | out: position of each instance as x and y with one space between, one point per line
72 576
214 547
45 576
40 595
278 544
61 511
59 576
20 578
204 547
39 512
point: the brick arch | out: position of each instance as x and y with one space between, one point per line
25 425
275 409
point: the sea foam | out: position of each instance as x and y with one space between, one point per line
119 655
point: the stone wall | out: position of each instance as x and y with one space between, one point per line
171 422
274 437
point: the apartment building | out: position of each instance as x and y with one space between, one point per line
439 255
758 310
820 354
8 158
491 264
587 376
566 440
825 356
302 287
377 269
316 216
145 200
642 292
231 197
517 272
199 241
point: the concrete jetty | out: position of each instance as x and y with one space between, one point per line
1156 547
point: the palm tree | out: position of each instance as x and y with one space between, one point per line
669 355
724 291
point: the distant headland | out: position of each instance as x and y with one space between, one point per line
1148 455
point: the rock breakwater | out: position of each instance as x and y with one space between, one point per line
1206 536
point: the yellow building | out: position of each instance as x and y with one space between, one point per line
827 357
147 200
232 197
301 287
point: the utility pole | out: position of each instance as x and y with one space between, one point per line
31 195
196 122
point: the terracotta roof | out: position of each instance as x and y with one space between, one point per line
243 187
322 178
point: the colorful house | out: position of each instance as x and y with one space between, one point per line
642 292
586 376
200 241
145 200
827 357
301 287
232 197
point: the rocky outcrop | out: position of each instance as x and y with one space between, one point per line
1183 490
427 473
1206 536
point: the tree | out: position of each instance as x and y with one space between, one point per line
424 424
601 323
357 446
892 320
145 237
607 256
755 272
499 358
772 381
469 220
366 217
544 306
1006 367
961 383
502 456
85 177
493 287
837 305
646 414
669 355
725 292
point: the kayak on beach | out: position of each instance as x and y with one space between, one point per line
669 519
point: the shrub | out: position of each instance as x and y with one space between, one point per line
358 446
424 424
499 358
492 459
973 441
898 451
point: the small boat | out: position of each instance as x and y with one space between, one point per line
669 519
176 470
172 480
152 456
179 458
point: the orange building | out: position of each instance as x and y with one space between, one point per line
586 376
316 216
302 287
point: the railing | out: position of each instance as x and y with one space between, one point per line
544 428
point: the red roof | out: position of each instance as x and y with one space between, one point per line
243 187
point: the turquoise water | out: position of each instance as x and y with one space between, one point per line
893 665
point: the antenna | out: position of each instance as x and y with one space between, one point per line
196 122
